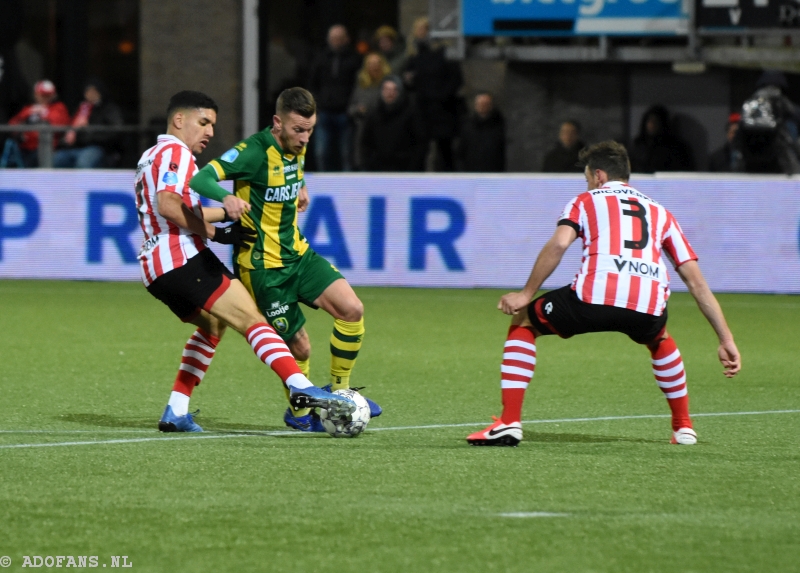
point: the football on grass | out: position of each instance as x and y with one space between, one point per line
351 427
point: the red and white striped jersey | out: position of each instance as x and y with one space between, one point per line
166 167
624 233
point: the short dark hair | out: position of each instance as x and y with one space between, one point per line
190 100
296 100
610 156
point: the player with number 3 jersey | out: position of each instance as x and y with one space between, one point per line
622 286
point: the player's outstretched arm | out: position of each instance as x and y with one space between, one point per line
172 208
547 261
205 184
698 287
215 215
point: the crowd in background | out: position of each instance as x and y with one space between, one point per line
398 104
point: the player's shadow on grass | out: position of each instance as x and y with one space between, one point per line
107 421
208 424
543 437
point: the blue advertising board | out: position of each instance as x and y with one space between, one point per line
574 17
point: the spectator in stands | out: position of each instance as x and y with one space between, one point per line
563 158
390 45
482 146
656 148
436 82
394 138
768 132
88 149
728 158
333 77
46 110
365 97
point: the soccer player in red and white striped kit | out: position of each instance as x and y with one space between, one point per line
622 287
181 271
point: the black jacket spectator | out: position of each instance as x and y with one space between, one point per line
394 138
436 82
103 113
656 148
333 77
483 143
562 159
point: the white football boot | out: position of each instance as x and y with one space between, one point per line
684 437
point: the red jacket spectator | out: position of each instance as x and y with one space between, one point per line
45 110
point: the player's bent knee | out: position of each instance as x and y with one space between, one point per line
354 311
656 342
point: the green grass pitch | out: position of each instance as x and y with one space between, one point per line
94 362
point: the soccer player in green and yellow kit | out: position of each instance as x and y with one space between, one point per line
280 269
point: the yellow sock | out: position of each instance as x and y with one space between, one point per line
345 344
305 368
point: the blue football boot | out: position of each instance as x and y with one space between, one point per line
308 423
374 409
338 406
171 423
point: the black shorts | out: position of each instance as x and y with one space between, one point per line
194 286
561 312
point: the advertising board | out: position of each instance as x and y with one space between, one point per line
423 230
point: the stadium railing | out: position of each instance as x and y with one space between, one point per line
46 135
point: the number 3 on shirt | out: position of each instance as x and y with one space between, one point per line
637 211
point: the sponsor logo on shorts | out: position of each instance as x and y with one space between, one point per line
170 178
230 155
280 324
277 309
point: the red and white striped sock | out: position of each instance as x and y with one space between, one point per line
272 351
671 378
196 358
519 362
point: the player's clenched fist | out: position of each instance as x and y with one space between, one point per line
511 303
235 207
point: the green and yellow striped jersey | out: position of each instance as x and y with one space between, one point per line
270 181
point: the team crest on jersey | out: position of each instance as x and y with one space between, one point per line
276 170
230 155
280 324
170 178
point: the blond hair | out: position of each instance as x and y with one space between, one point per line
365 80
412 44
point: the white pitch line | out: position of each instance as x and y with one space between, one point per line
533 514
210 436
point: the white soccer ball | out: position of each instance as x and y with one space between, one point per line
356 423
